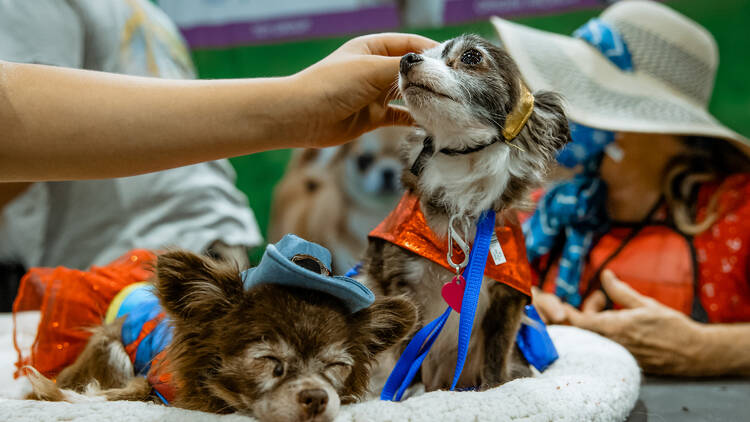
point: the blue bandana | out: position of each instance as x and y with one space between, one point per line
608 40
587 144
574 212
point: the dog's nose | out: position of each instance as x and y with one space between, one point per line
409 60
313 401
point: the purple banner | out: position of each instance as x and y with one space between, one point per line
467 10
293 27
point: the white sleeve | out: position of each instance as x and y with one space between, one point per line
41 31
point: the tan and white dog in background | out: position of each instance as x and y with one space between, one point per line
336 196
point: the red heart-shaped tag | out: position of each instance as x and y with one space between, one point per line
453 292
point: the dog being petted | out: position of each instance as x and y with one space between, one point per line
482 143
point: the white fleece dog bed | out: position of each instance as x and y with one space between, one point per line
594 380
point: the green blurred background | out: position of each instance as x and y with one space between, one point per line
257 174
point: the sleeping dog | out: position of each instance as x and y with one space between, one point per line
258 343
484 141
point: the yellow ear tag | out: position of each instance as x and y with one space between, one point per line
518 117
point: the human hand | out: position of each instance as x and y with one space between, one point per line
664 341
553 310
550 308
348 92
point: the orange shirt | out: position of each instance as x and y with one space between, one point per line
676 269
71 302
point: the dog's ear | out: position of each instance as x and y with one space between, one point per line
386 322
548 125
305 156
193 287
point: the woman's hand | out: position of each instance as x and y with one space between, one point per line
550 307
664 341
348 92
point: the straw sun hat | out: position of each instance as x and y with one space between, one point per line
639 67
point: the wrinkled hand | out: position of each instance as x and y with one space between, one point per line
549 306
348 92
664 341
554 311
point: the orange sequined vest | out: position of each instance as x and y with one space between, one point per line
406 227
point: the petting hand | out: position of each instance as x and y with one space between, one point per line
664 341
348 92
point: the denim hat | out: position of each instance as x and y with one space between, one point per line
295 262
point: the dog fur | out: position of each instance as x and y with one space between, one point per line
275 352
335 196
460 94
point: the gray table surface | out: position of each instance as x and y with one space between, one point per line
693 399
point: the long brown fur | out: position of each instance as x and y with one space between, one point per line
229 344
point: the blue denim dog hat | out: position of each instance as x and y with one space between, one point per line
296 262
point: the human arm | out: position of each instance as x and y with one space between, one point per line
63 124
663 340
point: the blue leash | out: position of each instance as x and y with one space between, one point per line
410 361
533 340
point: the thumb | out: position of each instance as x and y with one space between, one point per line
621 293
596 302
382 72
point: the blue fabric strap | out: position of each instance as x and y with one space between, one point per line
534 341
473 273
608 40
411 359
416 351
354 271
158 394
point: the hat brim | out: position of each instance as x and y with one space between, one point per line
597 93
277 269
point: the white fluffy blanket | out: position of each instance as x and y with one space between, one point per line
594 380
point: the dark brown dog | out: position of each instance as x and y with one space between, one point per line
275 352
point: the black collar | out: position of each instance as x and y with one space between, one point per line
428 149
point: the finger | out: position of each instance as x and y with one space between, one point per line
620 292
549 306
391 44
382 73
596 302
596 322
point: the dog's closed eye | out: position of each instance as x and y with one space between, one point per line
340 368
337 372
